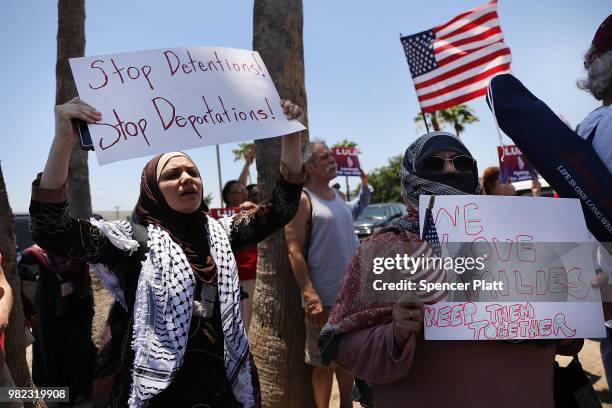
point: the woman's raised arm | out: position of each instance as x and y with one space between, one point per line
56 170
251 227
291 153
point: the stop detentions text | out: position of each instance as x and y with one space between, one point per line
108 71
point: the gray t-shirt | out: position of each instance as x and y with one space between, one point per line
602 142
332 245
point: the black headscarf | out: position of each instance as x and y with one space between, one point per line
187 230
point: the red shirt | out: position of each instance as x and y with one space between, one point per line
247 263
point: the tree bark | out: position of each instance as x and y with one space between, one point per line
277 331
15 346
434 121
71 44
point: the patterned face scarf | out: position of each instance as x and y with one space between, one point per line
415 183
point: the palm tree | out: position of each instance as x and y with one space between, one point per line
15 350
277 327
242 150
456 116
208 199
347 143
70 44
433 117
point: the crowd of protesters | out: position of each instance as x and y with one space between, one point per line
177 332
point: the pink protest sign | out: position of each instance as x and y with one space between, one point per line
514 165
347 161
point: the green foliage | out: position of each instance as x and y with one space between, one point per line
456 116
432 117
208 199
386 182
347 143
241 151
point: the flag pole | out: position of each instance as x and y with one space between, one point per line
425 120
423 113
219 173
348 192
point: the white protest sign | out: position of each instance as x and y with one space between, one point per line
540 251
178 98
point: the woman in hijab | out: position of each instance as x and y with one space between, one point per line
175 273
381 342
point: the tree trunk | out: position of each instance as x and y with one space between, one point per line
15 347
434 121
71 44
277 329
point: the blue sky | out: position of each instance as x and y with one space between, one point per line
357 80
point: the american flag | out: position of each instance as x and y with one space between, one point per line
430 249
453 62
430 234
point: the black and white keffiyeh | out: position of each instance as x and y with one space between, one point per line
164 305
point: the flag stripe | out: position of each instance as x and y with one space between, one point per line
453 62
475 31
455 101
458 21
469 25
465 75
469 57
461 68
455 57
484 36
465 82
452 94
466 49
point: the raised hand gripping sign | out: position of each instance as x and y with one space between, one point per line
537 267
178 98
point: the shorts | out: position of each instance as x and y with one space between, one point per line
312 355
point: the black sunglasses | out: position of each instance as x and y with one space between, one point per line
436 163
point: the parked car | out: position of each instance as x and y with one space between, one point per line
377 216
21 228
523 188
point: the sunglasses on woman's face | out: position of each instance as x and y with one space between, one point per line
436 163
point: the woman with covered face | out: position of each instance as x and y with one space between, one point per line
382 342
174 274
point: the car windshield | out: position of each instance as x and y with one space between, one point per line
373 213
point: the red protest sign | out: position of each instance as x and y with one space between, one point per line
217 213
514 166
347 161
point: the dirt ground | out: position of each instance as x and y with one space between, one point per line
590 358
591 362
